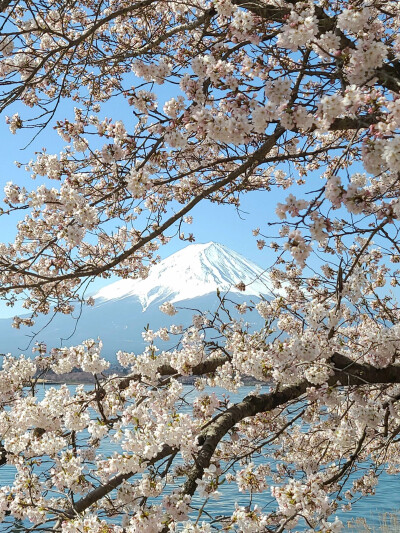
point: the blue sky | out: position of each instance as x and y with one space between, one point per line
211 222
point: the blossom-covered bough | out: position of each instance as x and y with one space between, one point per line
212 99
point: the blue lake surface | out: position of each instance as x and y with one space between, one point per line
386 499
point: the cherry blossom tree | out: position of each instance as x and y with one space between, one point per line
225 97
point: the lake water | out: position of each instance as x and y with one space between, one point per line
386 498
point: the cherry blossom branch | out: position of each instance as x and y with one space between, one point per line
102 490
206 367
346 373
254 160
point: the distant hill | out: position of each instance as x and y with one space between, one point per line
189 278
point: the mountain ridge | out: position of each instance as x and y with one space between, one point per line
194 271
123 309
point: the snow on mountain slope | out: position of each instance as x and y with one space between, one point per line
124 308
197 270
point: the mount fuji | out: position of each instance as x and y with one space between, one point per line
195 271
189 278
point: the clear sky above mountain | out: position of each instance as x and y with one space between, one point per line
223 224
219 223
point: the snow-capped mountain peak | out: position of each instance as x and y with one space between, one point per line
194 271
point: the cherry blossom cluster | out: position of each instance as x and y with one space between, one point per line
209 100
